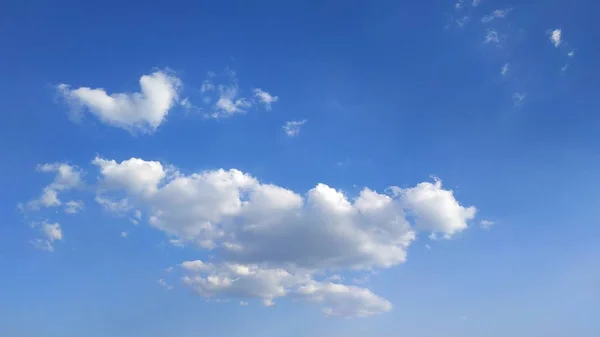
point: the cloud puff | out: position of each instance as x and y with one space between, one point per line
491 36
73 206
253 281
487 223
67 177
497 14
135 112
265 98
292 128
51 232
518 98
226 99
504 69
555 37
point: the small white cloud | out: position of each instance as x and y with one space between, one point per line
124 234
67 177
135 112
229 102
476 3
163 283
42 244
555 37
487 223
491 36
497 14
564 68
292 128
571 53
265 98
334 278
461 22
243 303
361 280
118 207
51 232
504 70
73 206
268 302
207 86
428 247
518 97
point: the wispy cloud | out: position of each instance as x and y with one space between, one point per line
487 224
518 97
491 36
504 69
292 128
265 98
497 14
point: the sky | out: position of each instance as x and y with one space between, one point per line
299 168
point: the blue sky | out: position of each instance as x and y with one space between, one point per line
332 168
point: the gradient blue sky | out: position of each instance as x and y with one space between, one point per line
391 92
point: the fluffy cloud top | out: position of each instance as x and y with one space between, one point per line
136 112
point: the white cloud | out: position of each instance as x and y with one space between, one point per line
491 35
254 222
243 303
555 37
345 301
163 283
518 97
497 14
118 207
476 3
265 98
137 176
67 177
436 209
135 112
564 68
252 281
571 53
504 70
487 223
207 86
229 102
73 206
270 241
51 232
292 128
124 234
